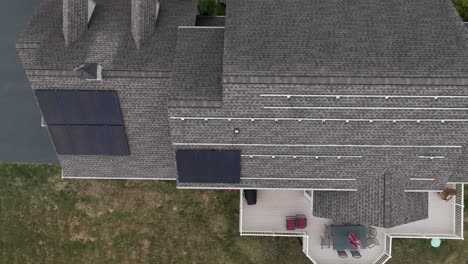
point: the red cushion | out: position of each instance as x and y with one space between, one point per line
291 224
302 223
354 240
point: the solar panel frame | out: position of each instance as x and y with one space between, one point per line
208 166
81 136
89 140
62 140
70 105
84 122
118 140
80 107
108 102
87 104
50 108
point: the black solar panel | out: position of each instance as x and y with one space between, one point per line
108 104
51 109
70 105
208 166
79 107
62 140
89 140
116 135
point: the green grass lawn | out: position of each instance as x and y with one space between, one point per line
45 219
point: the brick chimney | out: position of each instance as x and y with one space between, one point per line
75 19
144 16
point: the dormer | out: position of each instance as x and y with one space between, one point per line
76 16
144 16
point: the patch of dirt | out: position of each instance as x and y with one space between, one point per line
81 236
219 225
145 246
206 199
97 188
58 183
125 198
92 212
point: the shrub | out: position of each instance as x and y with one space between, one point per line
220 10
211 8
206 7
462 8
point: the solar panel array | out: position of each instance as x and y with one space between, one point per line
84 122
209 166
80 107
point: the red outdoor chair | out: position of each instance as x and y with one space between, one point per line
290 222
301 221
354 240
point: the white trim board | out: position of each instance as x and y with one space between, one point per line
200 27
273 156
431 157
298 179
323 119
367 108
338 96
315 145
271 189
428 191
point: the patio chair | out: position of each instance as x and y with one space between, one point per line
328 231
372 242
447 194
290 222
301 221
325 242
342 254
371 231
355 254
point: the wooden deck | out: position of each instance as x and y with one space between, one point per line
441 220
268 215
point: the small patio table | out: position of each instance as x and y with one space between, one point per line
341 234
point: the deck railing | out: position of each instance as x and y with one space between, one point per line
388 251
382 259
388 245
457 229
459 210
305 238
273 233
423 236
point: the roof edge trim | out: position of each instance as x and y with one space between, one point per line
345 80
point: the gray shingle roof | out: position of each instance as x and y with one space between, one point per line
75 19
344 38
381 201
401 148
217 79
141 78
198 64
144 14
108 40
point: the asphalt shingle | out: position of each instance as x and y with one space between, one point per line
377 89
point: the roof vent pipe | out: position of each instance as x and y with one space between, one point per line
90 71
